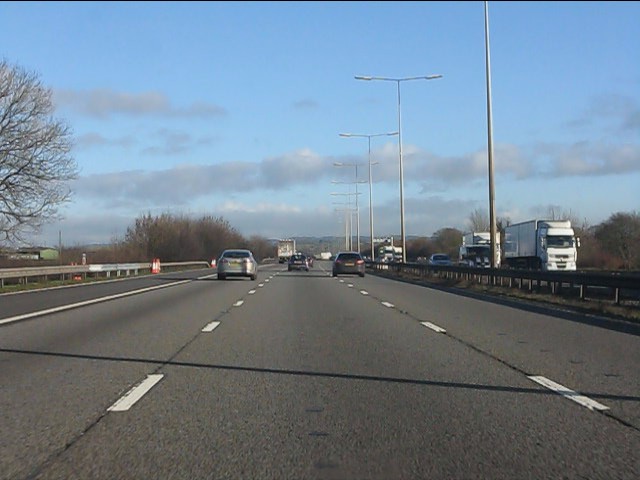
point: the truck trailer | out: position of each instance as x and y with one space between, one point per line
548 245
475 250
286 248
389 254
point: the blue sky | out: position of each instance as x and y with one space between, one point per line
234 109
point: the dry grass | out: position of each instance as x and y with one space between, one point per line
627 311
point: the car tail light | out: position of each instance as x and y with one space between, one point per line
360 262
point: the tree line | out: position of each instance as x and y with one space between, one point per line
613 244
36 165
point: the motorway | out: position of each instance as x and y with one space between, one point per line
299 375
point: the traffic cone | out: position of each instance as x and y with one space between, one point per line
155 265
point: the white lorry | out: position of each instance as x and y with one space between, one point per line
389 254
548 245
286 248
475 250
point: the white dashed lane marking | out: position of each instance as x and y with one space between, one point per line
210 327
434 327
135 394
568 393
387 304
238 303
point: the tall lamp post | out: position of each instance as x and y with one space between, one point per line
398 80
492 203
368 136
346 223
340 164
349 212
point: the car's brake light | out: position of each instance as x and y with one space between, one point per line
360 262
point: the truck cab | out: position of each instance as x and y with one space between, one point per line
557 247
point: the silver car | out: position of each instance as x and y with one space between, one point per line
440 259
237 263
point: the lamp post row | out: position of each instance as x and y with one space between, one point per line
492 214
398 81
368 137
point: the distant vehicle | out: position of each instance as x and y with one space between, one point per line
549 245
325 255
298 261
475 250
286 248
237 263
440 259
389 254
348 263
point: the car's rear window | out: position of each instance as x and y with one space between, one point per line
348 256
238 254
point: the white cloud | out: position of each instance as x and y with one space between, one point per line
103 102
586 158
260 208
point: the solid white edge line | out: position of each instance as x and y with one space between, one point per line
207 276
387 304
85 303
434 327
135 394
568 393
210 327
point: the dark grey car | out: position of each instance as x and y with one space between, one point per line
298 261
348 263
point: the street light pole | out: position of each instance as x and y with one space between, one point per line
339 164
492 205
349 243
398 80
368 137
346 224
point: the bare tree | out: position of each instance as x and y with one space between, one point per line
554 213
447 240
35 160
478 221
620 235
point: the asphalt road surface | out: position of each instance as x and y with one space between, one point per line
299 375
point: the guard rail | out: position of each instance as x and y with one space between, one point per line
617 286
66 272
